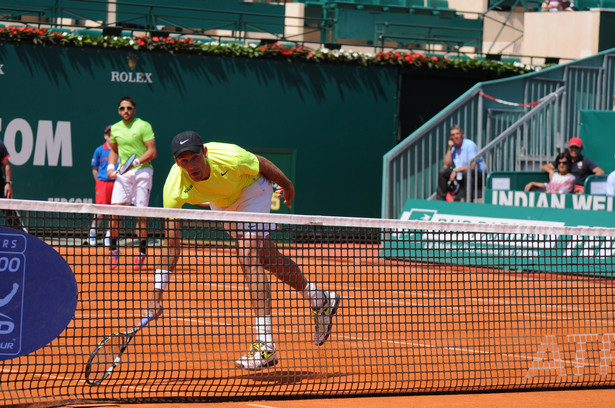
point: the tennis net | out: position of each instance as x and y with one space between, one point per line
425 307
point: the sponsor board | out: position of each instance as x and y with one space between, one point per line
533 252
38 294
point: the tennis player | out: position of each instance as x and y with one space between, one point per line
130 136
233 179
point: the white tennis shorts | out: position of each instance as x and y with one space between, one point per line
133 187
254 198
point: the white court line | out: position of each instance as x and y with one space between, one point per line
505 303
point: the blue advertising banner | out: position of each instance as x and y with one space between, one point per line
38 294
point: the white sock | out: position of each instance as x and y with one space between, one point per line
264 330
314 295
108 234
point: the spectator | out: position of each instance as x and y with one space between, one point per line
560 182
582 166
104 186
452 178
557 5
131 135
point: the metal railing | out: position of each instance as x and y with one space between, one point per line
518 124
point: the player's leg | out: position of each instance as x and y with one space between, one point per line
262 352
141 195
122 188
324 304
106 193
97 220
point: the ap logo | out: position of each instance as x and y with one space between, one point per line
12 278
38 294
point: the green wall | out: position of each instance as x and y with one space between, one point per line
596 130
337 121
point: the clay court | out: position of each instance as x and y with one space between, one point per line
404 328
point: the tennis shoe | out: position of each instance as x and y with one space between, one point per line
258 357
92 239
138 262
323 317
114 259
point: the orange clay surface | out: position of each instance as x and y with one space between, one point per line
207 325
598 398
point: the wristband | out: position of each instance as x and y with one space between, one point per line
136 163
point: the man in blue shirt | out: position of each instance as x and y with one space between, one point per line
452 178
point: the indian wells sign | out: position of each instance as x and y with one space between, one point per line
583 202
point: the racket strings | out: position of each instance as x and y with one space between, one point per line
103 358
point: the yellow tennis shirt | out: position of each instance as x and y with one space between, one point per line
131 139
232 170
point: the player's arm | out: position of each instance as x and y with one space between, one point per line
112 161
171 250
273 173
150 154
8 174
95 172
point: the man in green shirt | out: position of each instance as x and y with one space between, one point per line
233 179
129 136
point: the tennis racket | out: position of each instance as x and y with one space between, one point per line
108 352
124 167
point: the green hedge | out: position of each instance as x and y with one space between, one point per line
406 60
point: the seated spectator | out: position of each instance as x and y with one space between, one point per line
610 184
582 166
561 181
452 178
557 5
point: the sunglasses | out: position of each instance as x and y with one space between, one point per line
574 147
126 108
562 162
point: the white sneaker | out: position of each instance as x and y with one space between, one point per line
108 239
323 317
92 239
258 357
